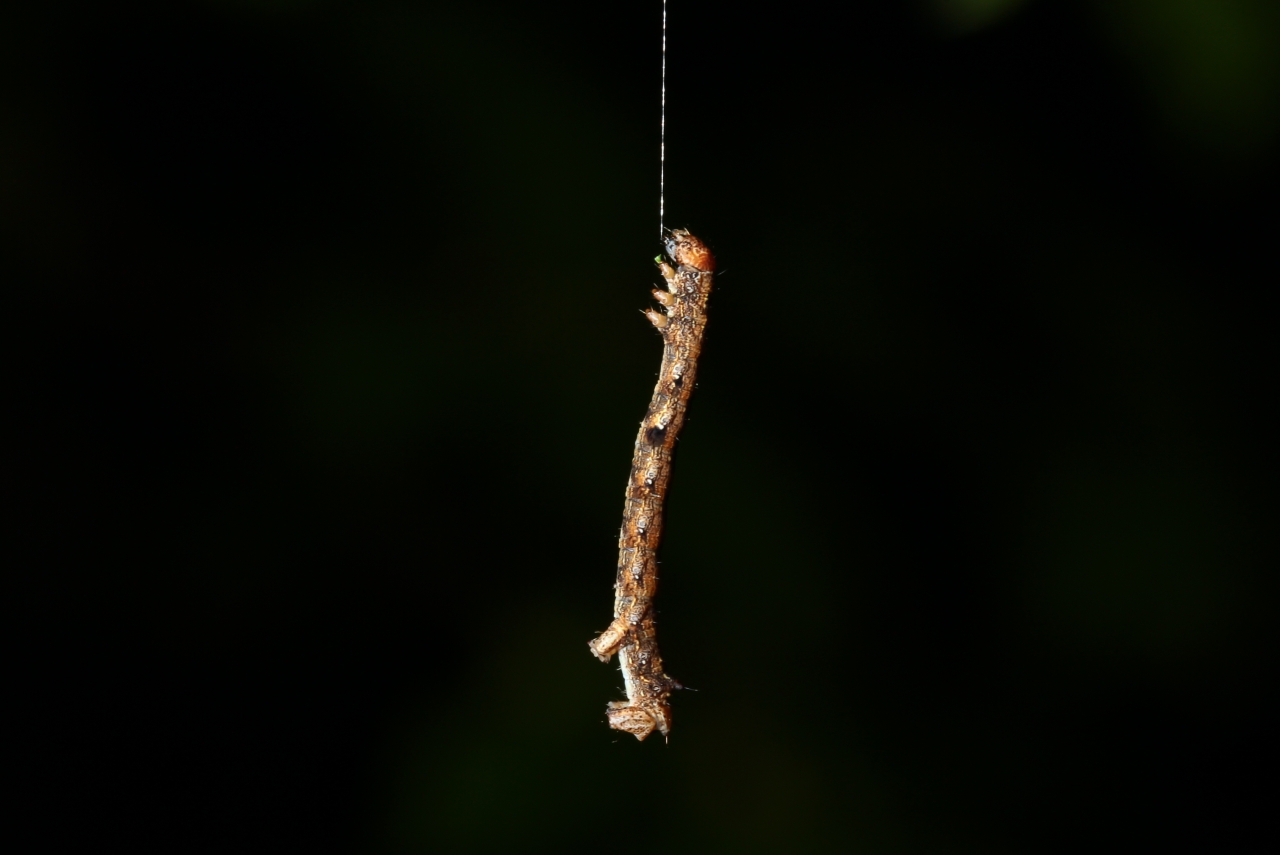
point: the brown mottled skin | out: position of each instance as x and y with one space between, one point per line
633 632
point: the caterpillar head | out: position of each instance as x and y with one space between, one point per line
687 251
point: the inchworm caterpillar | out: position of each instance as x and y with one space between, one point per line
633 632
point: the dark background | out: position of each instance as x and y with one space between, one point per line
330 362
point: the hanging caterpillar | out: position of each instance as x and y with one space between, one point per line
633 633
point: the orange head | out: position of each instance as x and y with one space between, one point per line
687 251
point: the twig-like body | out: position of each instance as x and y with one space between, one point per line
633 632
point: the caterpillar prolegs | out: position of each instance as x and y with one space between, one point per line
633 633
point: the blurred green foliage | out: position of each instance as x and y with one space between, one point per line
1210 68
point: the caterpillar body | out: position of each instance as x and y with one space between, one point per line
633 634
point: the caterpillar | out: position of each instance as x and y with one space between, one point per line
633 632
